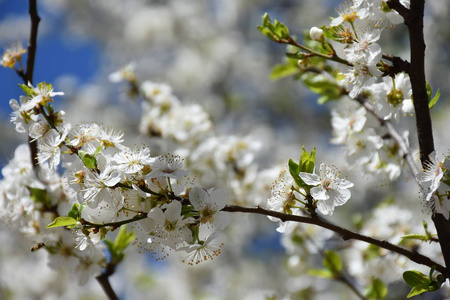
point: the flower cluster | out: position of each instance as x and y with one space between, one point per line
305 190
104 182
367 144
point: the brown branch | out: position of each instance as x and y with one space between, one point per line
414 22
28 75
398 65
32 44
103 280
418 82
345 233
397 6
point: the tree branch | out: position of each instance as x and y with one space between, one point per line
32 43
345 233
28 75
103 280
414 22
398 65
397 6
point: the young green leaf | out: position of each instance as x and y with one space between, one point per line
117 248
332 261
284 70
75 211
27 90
325 86
415 237
307 160
62 221
435 99
322 273
376 290
88 160
414 278
268 33
418 289
294 171
39 196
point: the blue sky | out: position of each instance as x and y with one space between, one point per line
56 53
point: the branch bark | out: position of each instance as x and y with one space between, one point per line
103 280
414 21
28 75
345 233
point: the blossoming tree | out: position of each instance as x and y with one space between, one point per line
88 198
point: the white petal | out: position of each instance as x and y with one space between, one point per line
173 211
157 214
310 179
197 197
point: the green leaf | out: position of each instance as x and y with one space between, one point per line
117 248
75 211
377 290
323 273
417 290
123 238
274 31
97 151
268 33
28 91
307 160
323 85
332 262
283 70
435 99
371 252
414 278
420 237
294 171
281 30
62 221
429 91
88 160
39 196
266 20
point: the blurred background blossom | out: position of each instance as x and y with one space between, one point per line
211 54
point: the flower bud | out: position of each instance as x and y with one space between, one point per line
316 34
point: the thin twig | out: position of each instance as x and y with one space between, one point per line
345 233
351 286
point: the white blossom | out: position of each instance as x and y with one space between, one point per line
329 190
209 205
132 161
170 226
430 177
50 148
167 166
